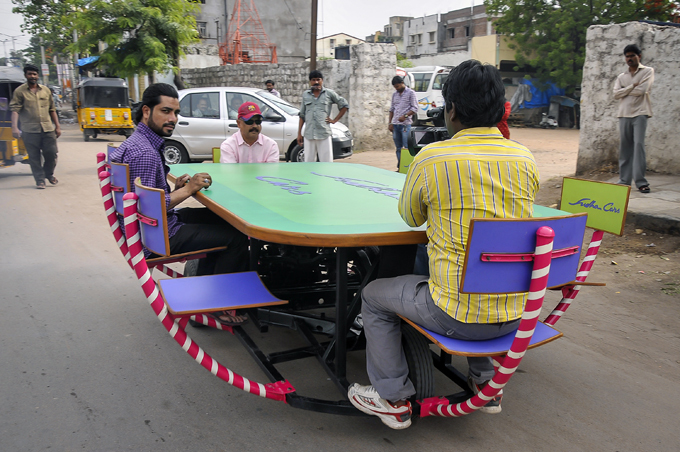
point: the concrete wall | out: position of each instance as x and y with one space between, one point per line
599 141
364 81
200 56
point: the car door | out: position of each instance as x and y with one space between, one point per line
200 123
271 129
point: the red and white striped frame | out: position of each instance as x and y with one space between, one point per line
507 365
570 292
274 391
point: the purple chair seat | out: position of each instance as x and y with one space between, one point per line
193 295
492 347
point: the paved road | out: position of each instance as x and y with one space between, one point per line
86 366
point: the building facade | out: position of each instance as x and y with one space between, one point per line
325 47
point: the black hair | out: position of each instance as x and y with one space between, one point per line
269 81
315 74
396 80
477 92
152 97
632 48
31 67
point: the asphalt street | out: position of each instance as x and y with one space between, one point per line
86 365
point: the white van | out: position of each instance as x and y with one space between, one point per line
427 82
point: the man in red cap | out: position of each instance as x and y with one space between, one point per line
248 145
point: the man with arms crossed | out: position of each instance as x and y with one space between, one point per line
33 104
248 145
188 229
315 110
404 107
477 173
632 89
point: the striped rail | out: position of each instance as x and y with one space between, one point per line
570 292
274 391
507 365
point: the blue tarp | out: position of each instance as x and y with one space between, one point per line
85 61
541 98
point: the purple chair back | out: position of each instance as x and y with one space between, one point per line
151 206
498 253
120 183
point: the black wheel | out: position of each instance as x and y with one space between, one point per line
175 153
86 137
419 360
191 269
94 134
297 154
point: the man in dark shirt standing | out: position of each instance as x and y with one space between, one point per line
189 229
32 103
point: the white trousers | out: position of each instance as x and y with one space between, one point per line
321 148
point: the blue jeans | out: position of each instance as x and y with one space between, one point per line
400 135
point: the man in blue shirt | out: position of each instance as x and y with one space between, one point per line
189 229
404 108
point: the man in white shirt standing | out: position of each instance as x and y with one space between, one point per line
632 89
248 145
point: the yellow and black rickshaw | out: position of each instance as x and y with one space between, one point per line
104 107
12 150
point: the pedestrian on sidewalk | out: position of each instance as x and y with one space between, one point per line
315 110
404 108
33 105
632 89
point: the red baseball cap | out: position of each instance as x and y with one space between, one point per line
248 110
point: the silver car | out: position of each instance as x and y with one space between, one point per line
208 116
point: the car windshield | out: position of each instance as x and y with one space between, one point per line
282 104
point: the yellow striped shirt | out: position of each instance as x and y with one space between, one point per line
476 174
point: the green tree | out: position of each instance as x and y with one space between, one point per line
139 36
51 20
550 35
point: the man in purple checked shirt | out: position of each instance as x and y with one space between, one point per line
404 107
189 229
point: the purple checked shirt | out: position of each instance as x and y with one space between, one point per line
402 103
143 152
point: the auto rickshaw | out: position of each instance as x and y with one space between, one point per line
103 106
12 150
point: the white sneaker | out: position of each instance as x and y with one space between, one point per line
494 405
367 399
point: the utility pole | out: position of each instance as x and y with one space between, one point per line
312 52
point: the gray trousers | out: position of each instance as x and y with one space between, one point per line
410 296
47 142
632 158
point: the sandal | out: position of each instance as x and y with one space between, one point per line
40 185
644 189
232 318
53 180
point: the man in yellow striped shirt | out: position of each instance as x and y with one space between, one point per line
475 174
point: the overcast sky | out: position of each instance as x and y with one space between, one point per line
358 18
361 18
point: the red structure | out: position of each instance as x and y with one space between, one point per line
246 40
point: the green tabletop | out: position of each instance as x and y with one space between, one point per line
314 204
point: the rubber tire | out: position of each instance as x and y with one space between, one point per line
94 135
419 360
176 152
190 269
297 154
86 137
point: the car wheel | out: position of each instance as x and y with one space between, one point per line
86 137
94 135
297 154
175 153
